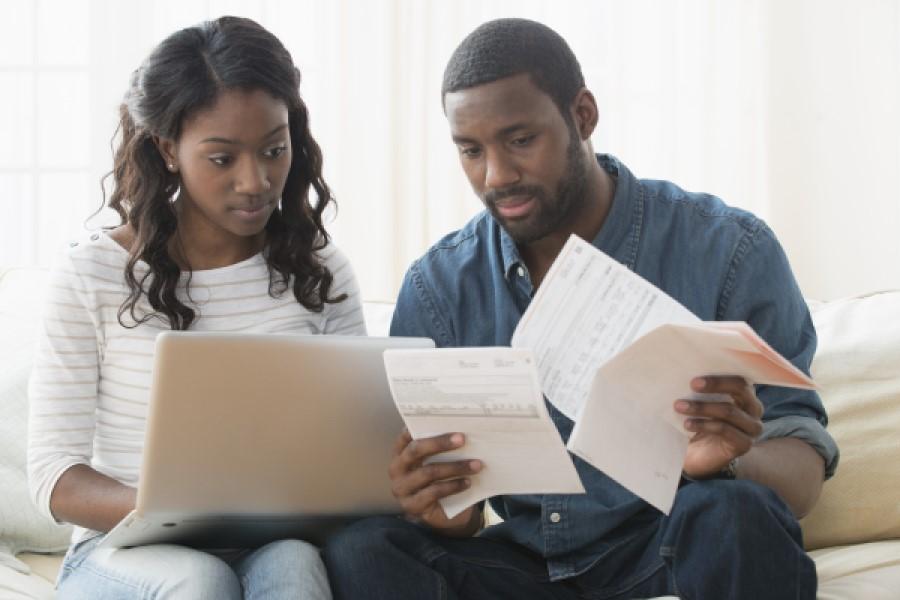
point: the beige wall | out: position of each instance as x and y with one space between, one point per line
833 127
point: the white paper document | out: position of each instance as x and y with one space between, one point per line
589 308
615 353
493 396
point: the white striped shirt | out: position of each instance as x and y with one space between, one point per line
90 382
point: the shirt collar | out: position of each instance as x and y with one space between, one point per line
624 217
621 231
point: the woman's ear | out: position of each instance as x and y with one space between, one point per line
166 148
585 113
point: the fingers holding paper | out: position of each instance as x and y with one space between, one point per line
722 430
419 485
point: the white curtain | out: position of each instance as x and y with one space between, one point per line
788 109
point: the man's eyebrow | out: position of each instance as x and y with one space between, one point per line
511 129
219 140
459 139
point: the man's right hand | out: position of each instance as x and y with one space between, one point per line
418 486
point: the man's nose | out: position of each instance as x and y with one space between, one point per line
500 171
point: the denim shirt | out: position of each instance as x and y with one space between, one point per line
472 287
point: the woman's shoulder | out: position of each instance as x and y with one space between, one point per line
333 258
92 255
123 235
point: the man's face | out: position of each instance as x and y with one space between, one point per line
521 157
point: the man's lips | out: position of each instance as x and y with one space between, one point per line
513 207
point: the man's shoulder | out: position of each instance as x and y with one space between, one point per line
697 212
469 245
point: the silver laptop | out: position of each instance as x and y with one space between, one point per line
252 438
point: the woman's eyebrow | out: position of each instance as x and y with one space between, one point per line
220 140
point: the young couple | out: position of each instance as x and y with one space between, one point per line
213 177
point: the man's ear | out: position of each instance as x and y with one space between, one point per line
166 148
585 113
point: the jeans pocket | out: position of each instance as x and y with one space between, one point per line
77 553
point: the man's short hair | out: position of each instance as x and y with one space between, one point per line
506 47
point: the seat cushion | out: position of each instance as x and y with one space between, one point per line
870 571
858 368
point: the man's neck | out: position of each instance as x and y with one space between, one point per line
539 255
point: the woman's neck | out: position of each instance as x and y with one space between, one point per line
197 254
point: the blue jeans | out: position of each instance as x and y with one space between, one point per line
723 540
282 569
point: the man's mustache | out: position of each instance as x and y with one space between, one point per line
493 196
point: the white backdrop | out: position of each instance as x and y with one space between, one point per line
788 109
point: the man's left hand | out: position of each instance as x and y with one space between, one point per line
722 431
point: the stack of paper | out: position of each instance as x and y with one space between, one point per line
613 353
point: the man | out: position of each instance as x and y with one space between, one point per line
521 117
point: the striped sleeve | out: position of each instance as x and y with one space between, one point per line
345 317
63 386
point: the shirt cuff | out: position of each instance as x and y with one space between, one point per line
810 431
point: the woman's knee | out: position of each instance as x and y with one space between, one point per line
282 557
284 569
197 574
158 572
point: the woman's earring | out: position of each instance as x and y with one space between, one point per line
171 167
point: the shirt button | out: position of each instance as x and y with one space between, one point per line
554 517
521 272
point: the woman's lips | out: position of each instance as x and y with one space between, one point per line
252 212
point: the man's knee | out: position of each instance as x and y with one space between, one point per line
362 539
732 506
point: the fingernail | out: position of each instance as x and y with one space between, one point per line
699 383
457 439
682 405
475 465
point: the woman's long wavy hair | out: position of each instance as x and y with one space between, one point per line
183 75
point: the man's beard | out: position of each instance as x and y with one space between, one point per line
551 213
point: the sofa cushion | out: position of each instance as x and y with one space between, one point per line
858 368
870 571
22 527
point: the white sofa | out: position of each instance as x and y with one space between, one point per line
853 534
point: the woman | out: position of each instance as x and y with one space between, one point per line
212 183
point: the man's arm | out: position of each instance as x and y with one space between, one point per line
790 467
724 431
791 452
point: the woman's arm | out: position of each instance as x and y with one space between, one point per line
63 399
346 317
91 499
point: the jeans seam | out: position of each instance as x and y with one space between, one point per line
105 575
434 554
673 556
628 585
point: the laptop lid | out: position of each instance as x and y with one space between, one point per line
251 424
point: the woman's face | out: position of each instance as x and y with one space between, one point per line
233 160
